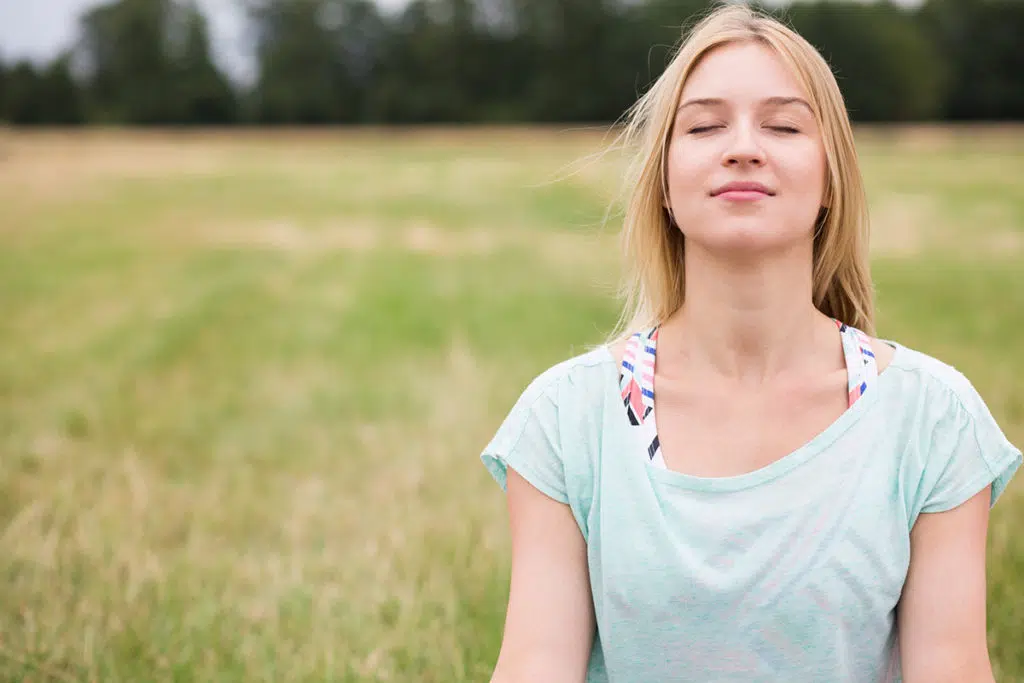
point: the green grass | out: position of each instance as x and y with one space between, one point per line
244 382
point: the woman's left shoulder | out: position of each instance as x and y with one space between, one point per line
949 433
917 372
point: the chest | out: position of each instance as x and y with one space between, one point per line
718 432
801 569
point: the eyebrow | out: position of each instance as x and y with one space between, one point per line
717 101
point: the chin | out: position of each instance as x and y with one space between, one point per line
748 237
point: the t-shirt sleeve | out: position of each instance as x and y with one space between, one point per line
528 441
966 451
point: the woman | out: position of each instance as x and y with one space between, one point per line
798 488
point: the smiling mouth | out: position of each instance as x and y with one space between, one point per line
742 195
743 188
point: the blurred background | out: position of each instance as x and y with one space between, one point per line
429 61
272 273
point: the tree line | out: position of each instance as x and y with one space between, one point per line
150 62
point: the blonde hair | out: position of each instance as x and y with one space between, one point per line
654 285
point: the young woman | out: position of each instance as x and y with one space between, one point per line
744 485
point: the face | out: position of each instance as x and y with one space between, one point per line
746 164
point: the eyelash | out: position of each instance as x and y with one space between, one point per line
789 130
702 129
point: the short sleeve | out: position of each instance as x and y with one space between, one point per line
528 441
967 451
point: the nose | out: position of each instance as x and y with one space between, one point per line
743 149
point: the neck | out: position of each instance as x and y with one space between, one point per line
749 322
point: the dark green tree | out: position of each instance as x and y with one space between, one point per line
60 97
417 75
361 34
24 104
204 95
887 65
572 45
30 95
125 49
300 69
3 91
149 62
982 41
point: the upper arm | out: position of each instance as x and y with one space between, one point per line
941 614
549 625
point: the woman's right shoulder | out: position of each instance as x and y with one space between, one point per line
547 434
586 371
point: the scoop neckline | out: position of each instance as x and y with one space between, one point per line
775 469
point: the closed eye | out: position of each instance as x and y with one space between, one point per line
702 129
784 129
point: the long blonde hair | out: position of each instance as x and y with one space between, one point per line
654 285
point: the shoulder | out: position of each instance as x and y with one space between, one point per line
569 382
915 371
587 367
944 405
545 436
951 442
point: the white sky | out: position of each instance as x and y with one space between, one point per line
39 29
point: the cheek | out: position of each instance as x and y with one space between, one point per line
816 166
804 174
683 171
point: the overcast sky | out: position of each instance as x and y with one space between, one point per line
39 29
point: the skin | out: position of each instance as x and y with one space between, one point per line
750 338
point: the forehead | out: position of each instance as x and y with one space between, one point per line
741 71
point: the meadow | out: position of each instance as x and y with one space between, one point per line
245 379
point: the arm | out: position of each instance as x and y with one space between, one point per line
941 614
549 625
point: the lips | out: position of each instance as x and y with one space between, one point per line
745 186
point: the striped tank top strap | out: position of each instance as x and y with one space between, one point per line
636 379
637 385
861 366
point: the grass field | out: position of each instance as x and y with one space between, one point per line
245 378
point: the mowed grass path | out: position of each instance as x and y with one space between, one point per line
245 379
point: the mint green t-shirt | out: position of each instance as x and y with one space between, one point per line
788 573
